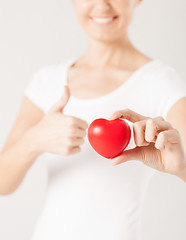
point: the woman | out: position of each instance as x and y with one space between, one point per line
87 197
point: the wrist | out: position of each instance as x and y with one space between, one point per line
30 144
182 173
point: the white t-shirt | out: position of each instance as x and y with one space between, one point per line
87 198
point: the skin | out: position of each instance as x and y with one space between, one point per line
160 143
34 133
109 60
118 58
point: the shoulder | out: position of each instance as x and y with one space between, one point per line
172 79
47 84
161 87
160 68
170 89
53 70
167 71
164 74
51 75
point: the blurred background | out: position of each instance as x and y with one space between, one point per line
38 33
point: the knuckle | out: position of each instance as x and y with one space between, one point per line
73 130
114 113
68 149
127 110
117 113
84 133
78 149
138 140
139 143
169 124
160 118
73 125
169 147
163 135
146 143
82 141
136 125
143 142
147 137
72 121
176 131
70 140
152 123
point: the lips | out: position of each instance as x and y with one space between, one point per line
104 20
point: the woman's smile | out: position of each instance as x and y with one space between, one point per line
103 21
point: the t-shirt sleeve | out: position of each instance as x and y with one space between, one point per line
172 88
46 86
35 90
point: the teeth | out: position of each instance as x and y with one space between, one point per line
103 20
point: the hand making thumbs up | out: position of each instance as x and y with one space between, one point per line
59 133
59 106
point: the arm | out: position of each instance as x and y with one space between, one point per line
177 117
19 154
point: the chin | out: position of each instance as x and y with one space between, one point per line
107 38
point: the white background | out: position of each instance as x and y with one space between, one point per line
42 32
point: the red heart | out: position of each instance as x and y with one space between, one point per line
109 138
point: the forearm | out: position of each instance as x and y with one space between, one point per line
14 164
182 174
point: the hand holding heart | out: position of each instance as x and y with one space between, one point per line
158 144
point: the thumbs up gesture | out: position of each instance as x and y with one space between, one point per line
59 133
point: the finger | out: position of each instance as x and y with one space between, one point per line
61 103
129 115
151 128
154 126
75 149
171 136
78 132
136 153
80 123
139 133
76 141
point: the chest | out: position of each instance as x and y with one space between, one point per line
92 83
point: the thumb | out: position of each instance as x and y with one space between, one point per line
59 106
136 153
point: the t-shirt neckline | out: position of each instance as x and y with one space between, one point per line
72 60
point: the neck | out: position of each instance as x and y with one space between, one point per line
109 54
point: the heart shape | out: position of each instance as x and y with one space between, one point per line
109 138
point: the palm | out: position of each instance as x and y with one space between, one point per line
152 157
158 145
